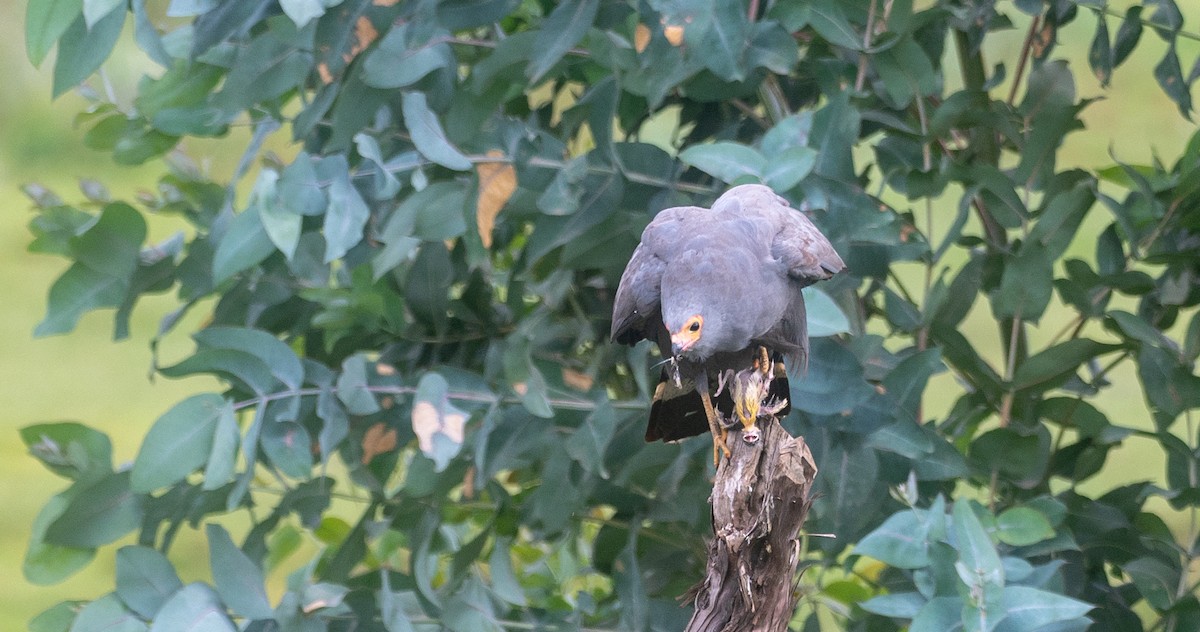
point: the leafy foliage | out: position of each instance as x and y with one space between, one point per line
409 313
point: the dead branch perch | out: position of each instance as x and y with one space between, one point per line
759 502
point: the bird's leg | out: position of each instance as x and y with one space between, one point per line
714 426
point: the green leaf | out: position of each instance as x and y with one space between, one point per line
503 580
438 424
427 133
896 605
386 184
436 213
1027 608
426 285
106 255
526 380
345 217
1100 55
304 11
1170 78
723 41
834 382
81 50
97 514
1051 107
300 188
107 614
590 440
1026 285
69 449
394 606
222 459
1054 366
289 447
772 47
1022 526
145 579
902 541
45 22
398 62
239 581
1128 34
244 370
178 443
335 426
276 354
45 563
561 30
726 160
829 20
95 10
194 608
245 244
789 167
460 15
78 290
57 618
280 223
471 609
940 614
979 564
906 72
1155 580
352 387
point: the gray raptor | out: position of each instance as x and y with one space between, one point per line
718 290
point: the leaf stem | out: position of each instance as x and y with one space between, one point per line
482 398
1023 60
861 76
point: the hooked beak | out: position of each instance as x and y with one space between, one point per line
680 344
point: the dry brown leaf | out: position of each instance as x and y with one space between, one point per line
378 440
641 37
468 484
323 72
497 182
674 34
576 380
364 34
385 3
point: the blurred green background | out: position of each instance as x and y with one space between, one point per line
86 377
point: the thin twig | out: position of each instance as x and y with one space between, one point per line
861 77
1023 60
565 404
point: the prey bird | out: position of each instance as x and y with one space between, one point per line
719 291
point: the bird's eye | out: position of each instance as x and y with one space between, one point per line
695 326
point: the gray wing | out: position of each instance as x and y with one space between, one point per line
636 308
797 243
801 249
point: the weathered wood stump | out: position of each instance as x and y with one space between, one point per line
760 499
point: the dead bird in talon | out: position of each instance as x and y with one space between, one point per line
711 287
753 396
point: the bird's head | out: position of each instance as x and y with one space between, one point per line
687 335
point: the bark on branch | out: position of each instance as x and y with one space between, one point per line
759 502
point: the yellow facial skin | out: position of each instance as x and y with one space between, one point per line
689 334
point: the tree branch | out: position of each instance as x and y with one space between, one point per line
760 499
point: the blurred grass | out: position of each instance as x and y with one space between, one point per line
86 377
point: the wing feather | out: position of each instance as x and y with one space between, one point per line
797 243
637 305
